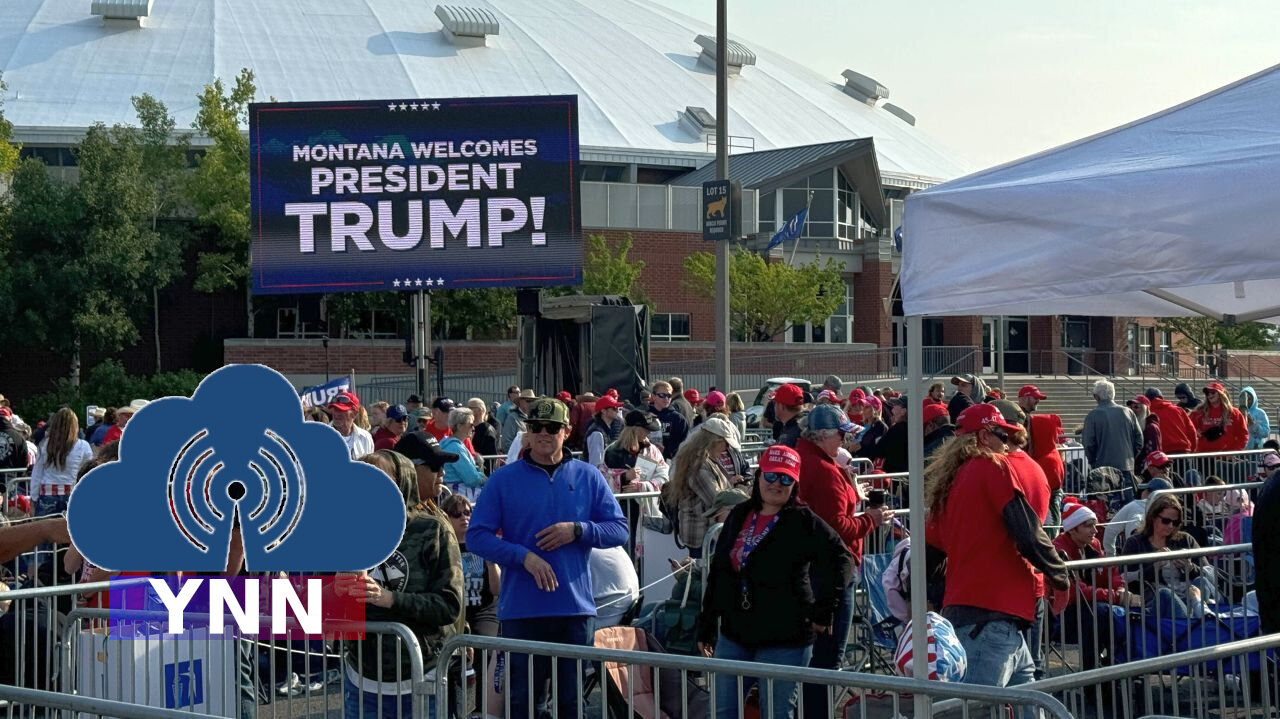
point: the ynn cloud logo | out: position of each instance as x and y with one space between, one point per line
237 452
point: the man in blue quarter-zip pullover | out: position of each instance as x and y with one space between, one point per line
539 518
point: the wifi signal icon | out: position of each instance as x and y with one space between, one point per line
191 472
265 490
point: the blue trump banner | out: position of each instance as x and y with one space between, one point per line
322 394
415 194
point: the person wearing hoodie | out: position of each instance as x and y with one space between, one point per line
1256 417
1150 423
963 398
1186 398
1177 434
937 428
1219 426
538 520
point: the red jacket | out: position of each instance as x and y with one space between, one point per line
1045 429
1177 433
1096 585
1235 433
827 490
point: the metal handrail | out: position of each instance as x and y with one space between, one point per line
847 680
1196 553
1126 670
87 705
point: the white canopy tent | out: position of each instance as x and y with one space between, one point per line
1175 214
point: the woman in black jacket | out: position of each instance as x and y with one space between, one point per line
773 583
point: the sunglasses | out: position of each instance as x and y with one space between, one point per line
663 395
785 480
460 515
999 434
1169 522
536 427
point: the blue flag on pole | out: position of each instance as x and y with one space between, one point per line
790 230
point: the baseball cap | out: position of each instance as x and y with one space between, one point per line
1141 399
833 382
549 410
564 396
933 411
444 404
1158 459
413 399
829 416
789 395
1154 393
981 416
421 414
342 401
1030 390
422 448
721 428
1010 411
397 412
607 402
715 398
1216 387
781 459
965 378
726 499
1156 485
871 401
693 396
637 418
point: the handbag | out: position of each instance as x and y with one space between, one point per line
676 621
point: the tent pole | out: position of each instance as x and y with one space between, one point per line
915 485
1258 314
1187 304
999 343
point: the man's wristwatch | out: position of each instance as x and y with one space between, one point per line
577 531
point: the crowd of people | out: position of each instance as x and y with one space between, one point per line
508 534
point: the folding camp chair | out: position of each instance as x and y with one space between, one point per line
875 629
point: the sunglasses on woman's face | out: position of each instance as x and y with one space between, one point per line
785 480
1170 521
460 515
536 427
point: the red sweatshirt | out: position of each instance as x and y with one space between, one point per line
1235 433
1177 433
827 490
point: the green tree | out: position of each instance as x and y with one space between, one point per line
8 148
164 179
609 271
463 314
220 188
766 298
1208 336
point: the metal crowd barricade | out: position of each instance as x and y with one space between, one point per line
57 645
1152 686
1132 619
83 706
1232 467
619 682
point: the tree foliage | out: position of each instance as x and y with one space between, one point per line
8 148
1208 335
765 298
220 188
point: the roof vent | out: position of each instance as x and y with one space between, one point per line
467 26
737 55
698 121
900 113
862 88
130 10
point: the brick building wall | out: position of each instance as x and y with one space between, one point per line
664 278
871 323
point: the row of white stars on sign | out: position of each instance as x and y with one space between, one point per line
413 106
418 282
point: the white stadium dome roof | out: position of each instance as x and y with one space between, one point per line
634 66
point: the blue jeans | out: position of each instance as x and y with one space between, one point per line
47 505
828 651
561 630
997 655
1055 513
784 693
1035 636
358 704
1170 605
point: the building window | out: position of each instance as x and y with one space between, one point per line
848 209
669 327
375 325
602 173
836 330
815 192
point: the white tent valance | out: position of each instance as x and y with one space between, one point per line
1174 214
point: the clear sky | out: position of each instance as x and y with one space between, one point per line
994 80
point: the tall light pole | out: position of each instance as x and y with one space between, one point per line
723 382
